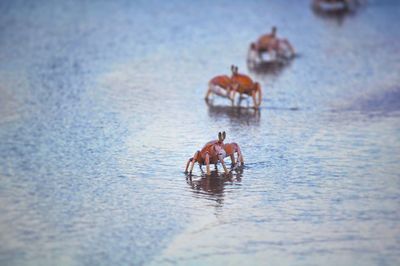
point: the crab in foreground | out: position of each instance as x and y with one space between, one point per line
214 152
243 84
277 48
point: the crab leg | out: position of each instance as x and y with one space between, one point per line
195 158
233 159
201 169
253 94
187 164
240 155
221 159
288 45
209 91
208 164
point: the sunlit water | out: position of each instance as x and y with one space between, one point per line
101 104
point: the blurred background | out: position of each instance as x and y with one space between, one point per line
102 103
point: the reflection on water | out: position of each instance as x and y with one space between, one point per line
272 68
338 14
214 185
237 114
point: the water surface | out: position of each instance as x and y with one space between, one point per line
101 104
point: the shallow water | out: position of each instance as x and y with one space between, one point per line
101 104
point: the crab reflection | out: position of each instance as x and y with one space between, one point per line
272 68
239 115
338 14
214 185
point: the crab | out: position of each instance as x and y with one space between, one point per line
243 84
221 86
277 48
214 152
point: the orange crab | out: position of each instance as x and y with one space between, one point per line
269 43
213 152
243 84
221 86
